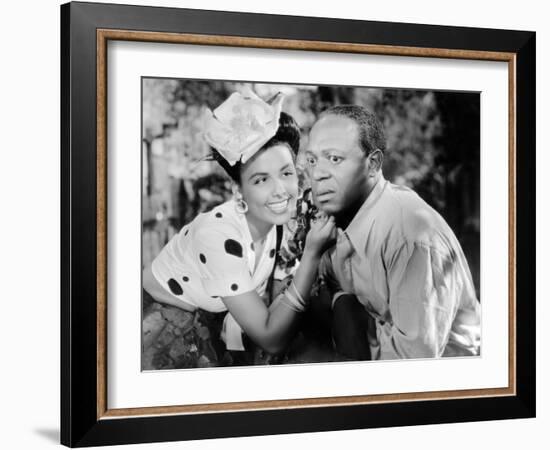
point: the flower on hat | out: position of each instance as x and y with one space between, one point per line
241 125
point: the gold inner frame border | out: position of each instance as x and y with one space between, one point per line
104 35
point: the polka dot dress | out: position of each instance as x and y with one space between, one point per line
213 257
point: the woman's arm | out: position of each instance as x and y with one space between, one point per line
161 295
271 327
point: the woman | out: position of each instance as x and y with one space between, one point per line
223 259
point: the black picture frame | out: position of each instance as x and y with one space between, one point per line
82 423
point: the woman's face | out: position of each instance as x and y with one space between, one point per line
269 185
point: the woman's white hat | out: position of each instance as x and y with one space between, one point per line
241 125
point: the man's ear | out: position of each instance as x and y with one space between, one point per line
376 159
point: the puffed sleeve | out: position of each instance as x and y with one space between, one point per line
222 261
423 299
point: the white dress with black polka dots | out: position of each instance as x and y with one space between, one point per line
213 257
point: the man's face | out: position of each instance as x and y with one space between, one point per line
337 166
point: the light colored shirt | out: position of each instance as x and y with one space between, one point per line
214 257
406 266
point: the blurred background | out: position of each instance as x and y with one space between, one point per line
433 147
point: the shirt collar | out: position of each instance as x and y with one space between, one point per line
356 232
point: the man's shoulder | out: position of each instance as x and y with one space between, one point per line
415 218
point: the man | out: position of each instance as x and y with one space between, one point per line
394 253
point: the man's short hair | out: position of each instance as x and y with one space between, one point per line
371 131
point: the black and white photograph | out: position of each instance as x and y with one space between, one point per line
300 224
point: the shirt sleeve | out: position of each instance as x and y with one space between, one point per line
222 261
423 300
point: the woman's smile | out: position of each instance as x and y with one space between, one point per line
279 207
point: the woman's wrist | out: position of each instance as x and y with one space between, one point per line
313 254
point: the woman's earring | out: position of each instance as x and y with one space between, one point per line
241 206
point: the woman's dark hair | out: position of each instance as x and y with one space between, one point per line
288 134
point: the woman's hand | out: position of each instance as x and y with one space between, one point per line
321 235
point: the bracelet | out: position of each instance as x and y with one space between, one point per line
285 301
300 298
291 301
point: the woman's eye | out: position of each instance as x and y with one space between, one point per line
259 180
288 173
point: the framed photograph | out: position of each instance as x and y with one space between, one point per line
279 224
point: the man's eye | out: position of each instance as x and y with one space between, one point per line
310 161
334 159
